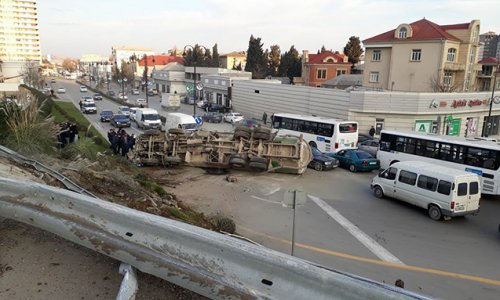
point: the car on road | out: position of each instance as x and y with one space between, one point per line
141 102
133 112
88 107
135 92
120 121
188 100
364 137
111 93
201 104
321 161
83 89
53 80
61 90
124 110
122 97
370 146
97 97
216 107
249 123
356 160
106 115
87 99
233 117
212 117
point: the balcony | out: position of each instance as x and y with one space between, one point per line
484 74
449 66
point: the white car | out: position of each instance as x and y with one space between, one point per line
140 101
133 111
61 90
83 89
124 110
122 97
201 103
135 92
233 117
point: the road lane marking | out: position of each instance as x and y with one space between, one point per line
265 200
372 261
275 190
362 237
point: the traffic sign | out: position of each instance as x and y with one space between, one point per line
199 86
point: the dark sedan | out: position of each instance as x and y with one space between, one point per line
356 160
249 123
212 117
322 161
120 121
106 115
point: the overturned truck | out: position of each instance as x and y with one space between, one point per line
257 150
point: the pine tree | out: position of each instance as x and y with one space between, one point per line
290 65
274 60
256 61
323 49
197 54
353 50
215 56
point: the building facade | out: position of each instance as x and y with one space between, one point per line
233 60
170 79
218 88
119 53
319 68
490 67
423 57
490 45
155 62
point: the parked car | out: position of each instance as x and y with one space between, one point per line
370 146
124 110
135 92
97 97
111 93
83 89
364 137
122 97
53 80
61 90
356 160
250 123
233 117
322 161
106 115
216 107
141 102
150 93
188 100
120 121
212 117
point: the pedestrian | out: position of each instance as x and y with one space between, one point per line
264 118
372 131
81 104
115 143
131 142
111 134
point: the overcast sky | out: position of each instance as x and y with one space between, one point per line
72 28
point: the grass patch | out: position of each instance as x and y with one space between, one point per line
150 185
85 147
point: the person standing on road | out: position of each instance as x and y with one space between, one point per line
264 118
81 104
372 132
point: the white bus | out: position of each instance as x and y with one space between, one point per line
326 134
471 155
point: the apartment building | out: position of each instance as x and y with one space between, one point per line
423 57
489 45
319 68
233 60
19 37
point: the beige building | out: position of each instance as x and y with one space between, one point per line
119 53
423 57
233 60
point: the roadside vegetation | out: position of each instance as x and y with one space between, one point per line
30 126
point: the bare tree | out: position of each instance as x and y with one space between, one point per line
441 87
32 74
69 64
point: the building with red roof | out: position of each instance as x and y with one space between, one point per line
155 62
423 57
318 68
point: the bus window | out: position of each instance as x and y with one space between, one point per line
276 122
348 127
325 129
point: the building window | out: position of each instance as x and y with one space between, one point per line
452 52
376 55
341 72
416 54
448 78
403 33
373 76
321 74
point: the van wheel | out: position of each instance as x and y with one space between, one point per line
377 191
352 168
435 212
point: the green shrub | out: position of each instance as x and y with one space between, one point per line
84 147
223 223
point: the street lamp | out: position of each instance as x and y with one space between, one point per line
493 99
122 81
195 57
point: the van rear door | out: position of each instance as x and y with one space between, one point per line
467 195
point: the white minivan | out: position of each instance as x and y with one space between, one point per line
180 121
147 118
442 191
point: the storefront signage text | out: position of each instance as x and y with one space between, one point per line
459 103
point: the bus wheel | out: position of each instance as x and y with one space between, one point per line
434 212
313 145
377 191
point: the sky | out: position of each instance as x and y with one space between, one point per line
73 28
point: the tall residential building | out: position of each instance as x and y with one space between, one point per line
423 57
19 34
490 45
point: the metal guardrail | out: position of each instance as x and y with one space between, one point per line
206 262
20 159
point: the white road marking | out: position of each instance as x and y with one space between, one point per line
362 237
265 200
275 190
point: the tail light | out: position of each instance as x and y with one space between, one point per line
336 145
364 163
452 205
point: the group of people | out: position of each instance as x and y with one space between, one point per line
67 134
121 142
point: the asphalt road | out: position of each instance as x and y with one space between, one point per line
343 226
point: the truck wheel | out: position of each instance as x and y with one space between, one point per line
435 212
243 128
262 130
261 136
241 134
257 166
237 161
377 191
261 160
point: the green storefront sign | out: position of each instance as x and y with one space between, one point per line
423 125
454 127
